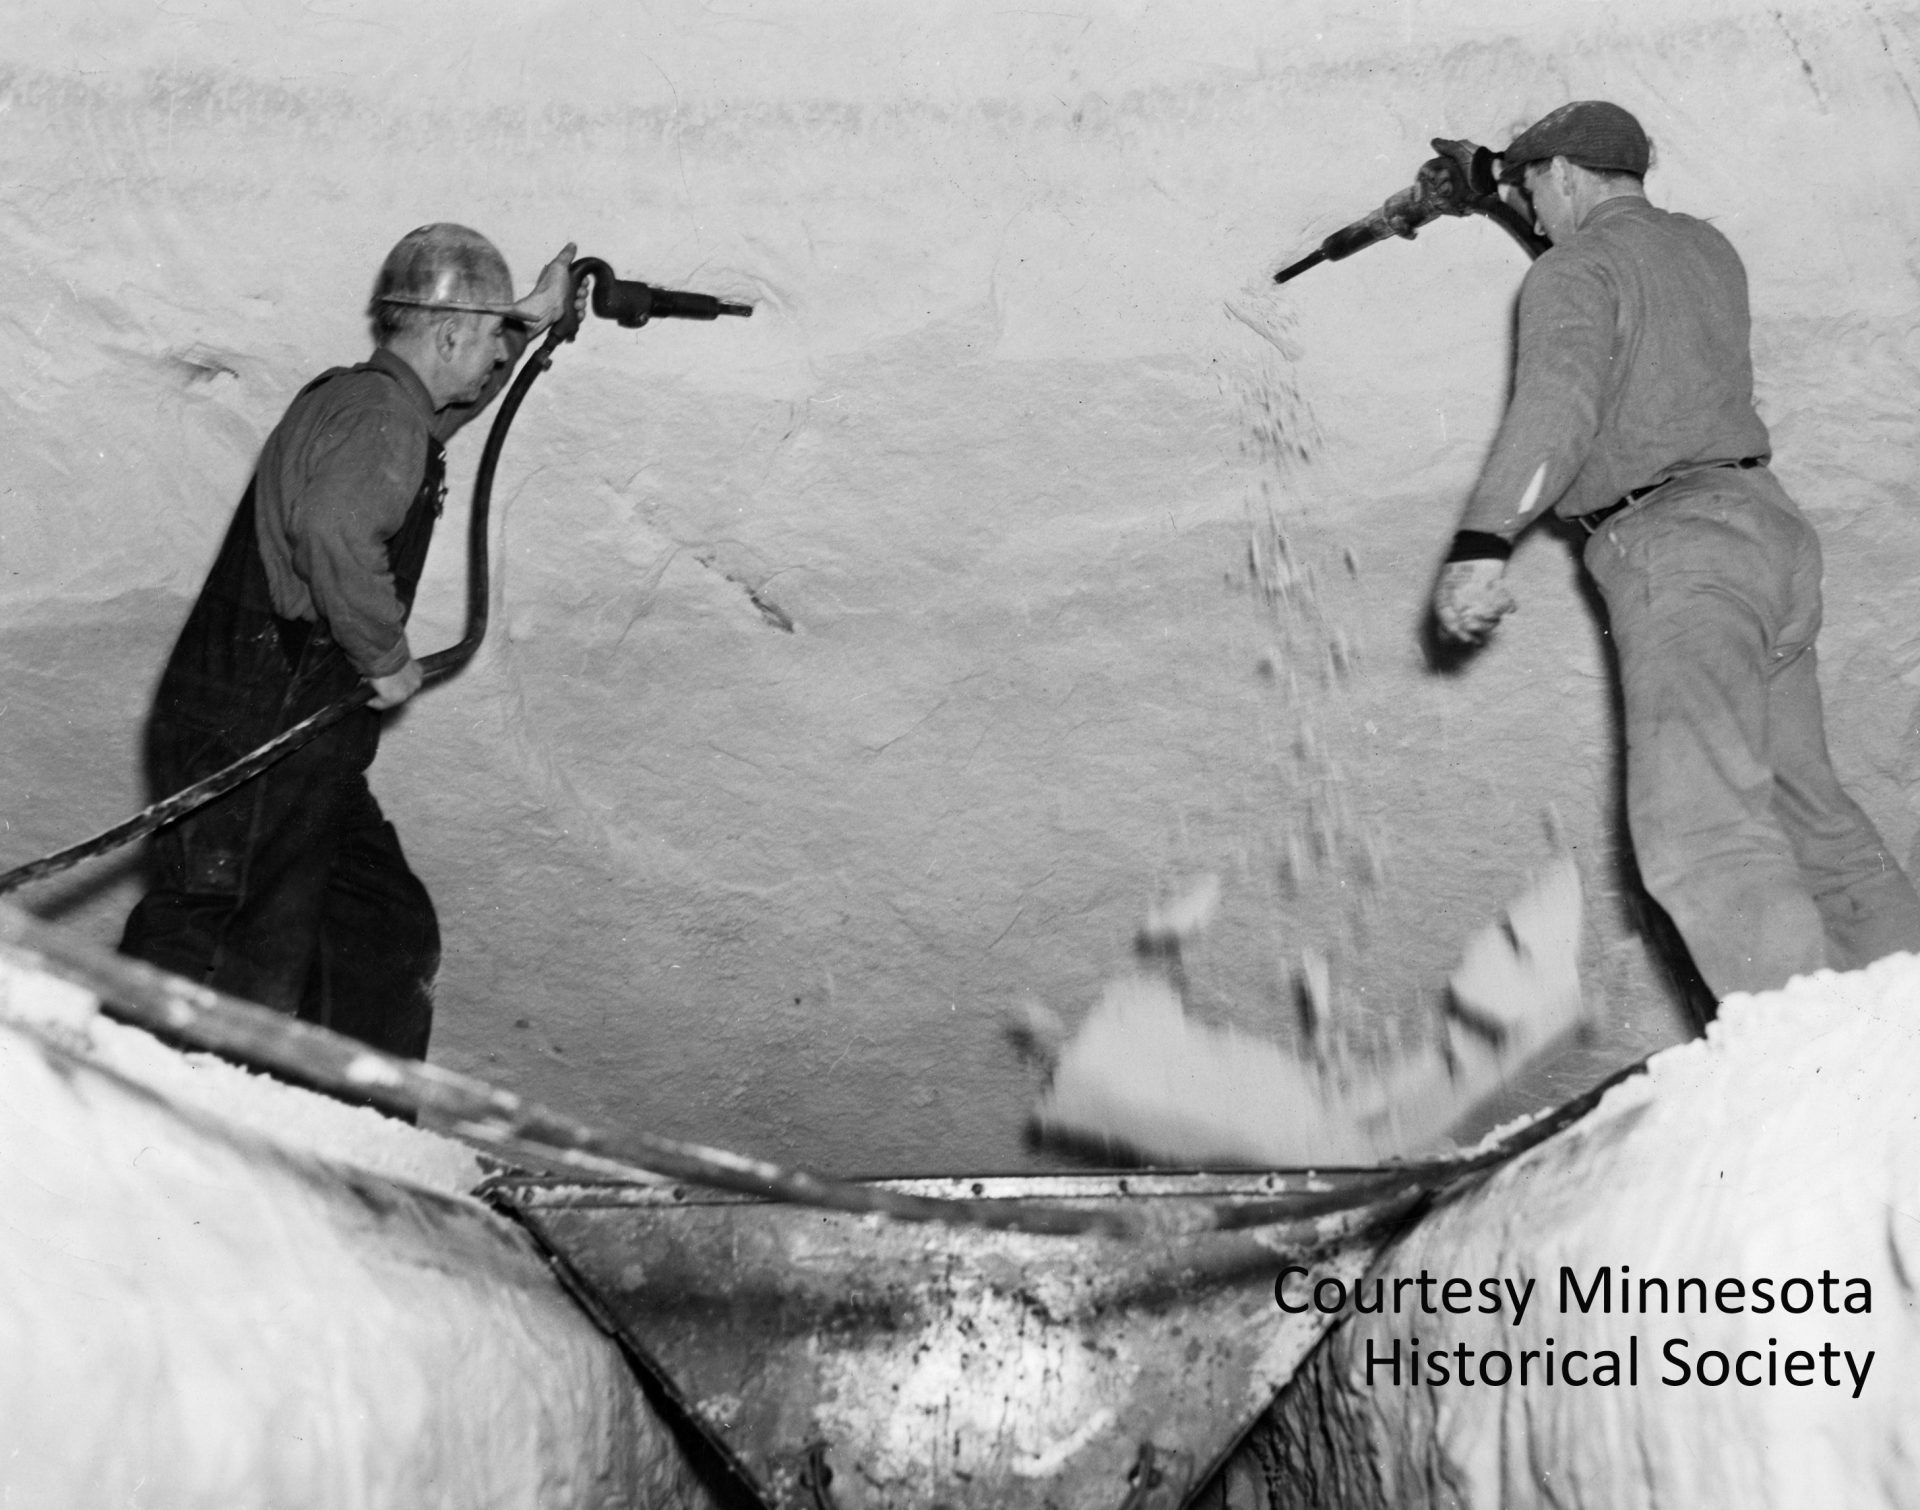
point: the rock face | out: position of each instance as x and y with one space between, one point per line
1766 1181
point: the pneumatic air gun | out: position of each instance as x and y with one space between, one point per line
1460 181
631 304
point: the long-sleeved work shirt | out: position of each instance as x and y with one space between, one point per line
1633 367
335 481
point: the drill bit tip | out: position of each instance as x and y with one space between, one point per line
1295 269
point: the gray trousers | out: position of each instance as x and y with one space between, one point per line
1740 827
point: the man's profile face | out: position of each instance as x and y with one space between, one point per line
479 346
1547 197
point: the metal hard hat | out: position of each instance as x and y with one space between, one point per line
448 267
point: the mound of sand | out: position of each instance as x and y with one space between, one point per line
1774 1167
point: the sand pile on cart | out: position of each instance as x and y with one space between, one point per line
224 1291
1720 1269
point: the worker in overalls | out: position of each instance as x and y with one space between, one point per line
1632 415
292 890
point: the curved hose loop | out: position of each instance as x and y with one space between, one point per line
443 663
440 664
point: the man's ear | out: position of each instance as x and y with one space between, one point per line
446 338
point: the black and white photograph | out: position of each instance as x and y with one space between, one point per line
900 755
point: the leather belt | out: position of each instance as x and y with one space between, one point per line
1592 522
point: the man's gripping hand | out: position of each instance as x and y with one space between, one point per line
392 691
548 301
1471 595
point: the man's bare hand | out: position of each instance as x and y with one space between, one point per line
1470 598
548 301
392 691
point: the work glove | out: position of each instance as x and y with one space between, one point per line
1470 598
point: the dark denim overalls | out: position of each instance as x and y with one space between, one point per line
291 890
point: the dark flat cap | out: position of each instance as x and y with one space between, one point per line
1592 133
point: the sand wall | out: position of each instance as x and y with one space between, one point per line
866 666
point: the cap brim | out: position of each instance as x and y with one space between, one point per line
457 306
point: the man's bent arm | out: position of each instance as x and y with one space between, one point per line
1567 316
362 475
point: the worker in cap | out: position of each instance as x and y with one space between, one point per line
291 890
1632 417
1591 134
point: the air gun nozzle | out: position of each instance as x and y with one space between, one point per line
1294 269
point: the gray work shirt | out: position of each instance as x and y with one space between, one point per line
335 481
1633 366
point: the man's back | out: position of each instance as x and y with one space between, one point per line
1665 295
1633 366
